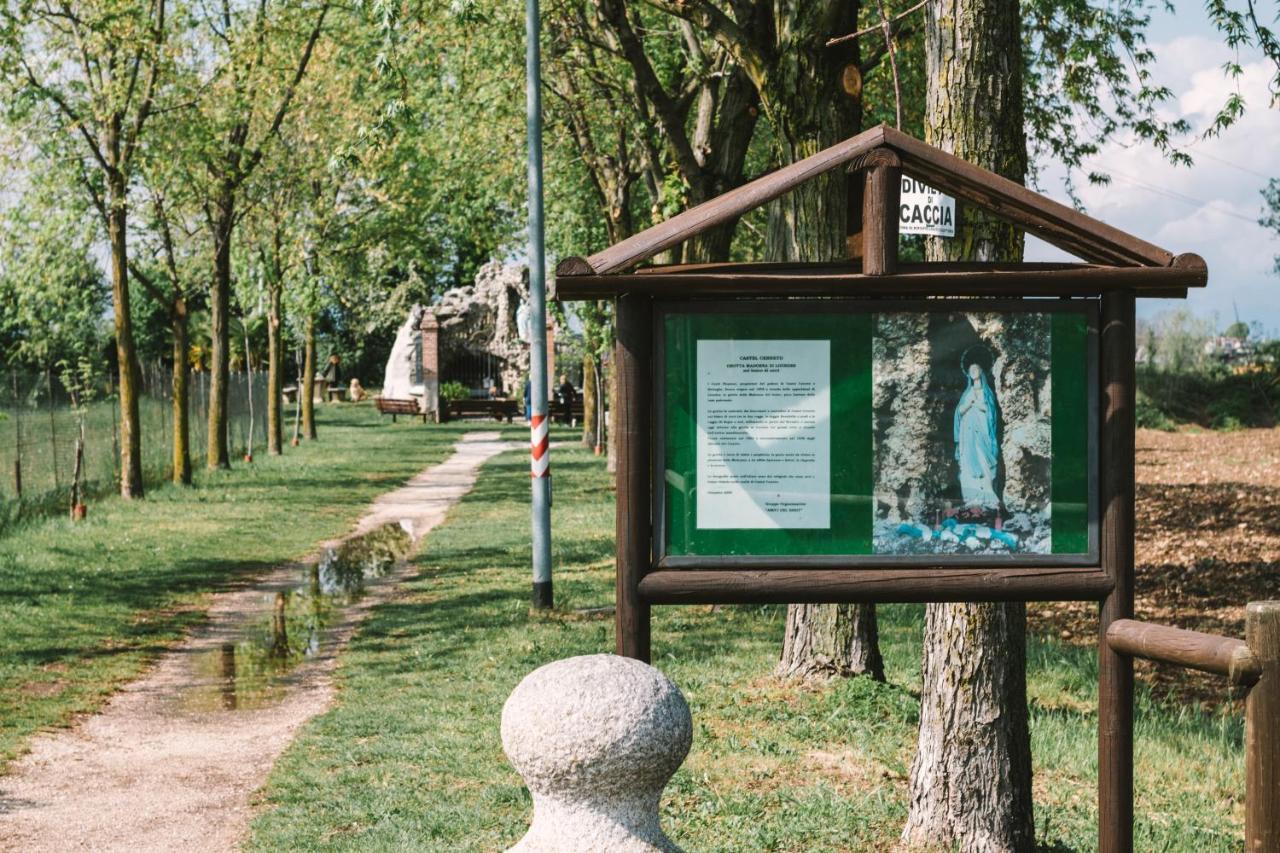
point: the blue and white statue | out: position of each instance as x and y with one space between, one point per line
977 449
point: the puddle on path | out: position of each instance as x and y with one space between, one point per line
252 668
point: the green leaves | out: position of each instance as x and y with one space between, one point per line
52 295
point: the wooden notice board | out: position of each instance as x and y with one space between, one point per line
831 431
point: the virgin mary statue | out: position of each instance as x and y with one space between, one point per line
975 436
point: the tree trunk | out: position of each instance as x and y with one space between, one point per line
810 111
970 786
826 640
307 392
126 353
219 455
735 123
611 446
589 401
181 396
275 367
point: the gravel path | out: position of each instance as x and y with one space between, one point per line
158 769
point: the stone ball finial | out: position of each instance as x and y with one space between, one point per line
596 739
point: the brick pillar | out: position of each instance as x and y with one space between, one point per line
429 329
552 377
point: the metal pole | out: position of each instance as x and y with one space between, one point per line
540 448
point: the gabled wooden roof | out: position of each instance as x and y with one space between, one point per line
1112 255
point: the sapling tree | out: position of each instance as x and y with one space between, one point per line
168 269
258 56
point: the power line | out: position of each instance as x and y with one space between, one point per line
1177 196
1224 161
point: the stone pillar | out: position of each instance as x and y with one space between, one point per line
596 739
429 329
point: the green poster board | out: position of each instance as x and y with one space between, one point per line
876 432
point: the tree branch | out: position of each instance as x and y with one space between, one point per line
144 109
287 98
669 115
70 113
736 41
149 285
871 29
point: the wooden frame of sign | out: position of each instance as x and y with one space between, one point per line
1118 268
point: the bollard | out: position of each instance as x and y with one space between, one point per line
1262 730
596 739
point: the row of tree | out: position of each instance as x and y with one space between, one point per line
292 163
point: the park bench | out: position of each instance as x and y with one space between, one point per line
571 414
497 409
393 407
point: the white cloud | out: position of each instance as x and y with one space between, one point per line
1210 209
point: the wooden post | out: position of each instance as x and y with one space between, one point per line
1115 671
1262 731
880 200
631 423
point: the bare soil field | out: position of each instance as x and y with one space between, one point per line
1208 542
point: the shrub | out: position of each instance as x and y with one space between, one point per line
1150 416
1214 398
1227 423
454 391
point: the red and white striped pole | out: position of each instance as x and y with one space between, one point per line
539 446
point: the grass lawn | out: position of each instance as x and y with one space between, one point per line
410 757
85 606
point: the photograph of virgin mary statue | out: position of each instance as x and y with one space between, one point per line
962 438
974 434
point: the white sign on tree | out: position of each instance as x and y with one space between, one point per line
924 210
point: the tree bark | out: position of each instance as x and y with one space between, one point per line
181 395
126 352
218 455
275 358
307 392
970 786
810 111
831 640
723 148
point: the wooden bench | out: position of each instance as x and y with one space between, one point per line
393 407
497 409
572 415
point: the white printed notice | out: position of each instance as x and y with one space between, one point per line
764 434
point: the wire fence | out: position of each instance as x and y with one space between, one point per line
39 425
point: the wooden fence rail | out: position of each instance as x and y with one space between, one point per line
1254 663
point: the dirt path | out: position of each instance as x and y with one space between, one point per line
172 761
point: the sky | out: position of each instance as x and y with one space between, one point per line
1211 208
